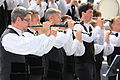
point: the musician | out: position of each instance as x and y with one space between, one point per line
105 50
115 27
39 6
99 57
55 58
72 9
69 59
11 4
58 4
85 64
14 46
33 62
35 20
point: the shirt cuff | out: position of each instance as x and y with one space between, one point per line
69 31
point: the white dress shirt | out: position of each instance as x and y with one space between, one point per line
28 34
107 49
25 3
37 45
61 39
73 46
77 48
34 6
115 41
95 31
68 6
94 37
62 6
52 5
70 46
1 2
13 3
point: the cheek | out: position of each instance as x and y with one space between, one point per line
26 24
89 16
58 20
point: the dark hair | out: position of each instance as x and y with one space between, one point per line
96 13
64 17
83 7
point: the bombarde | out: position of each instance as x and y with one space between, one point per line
111 33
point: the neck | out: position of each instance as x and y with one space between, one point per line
18 27
85 21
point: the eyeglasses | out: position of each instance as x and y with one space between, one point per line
27 20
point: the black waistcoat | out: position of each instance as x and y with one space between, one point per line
69 63
10 63
54 61
88 55
99 58
72 12
112 56
34 63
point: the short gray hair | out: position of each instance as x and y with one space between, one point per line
51 12
18 12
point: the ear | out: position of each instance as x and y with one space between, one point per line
51 18
83 13
18 19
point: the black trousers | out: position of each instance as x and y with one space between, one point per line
69 68
99 58
35 77
68 76
85 71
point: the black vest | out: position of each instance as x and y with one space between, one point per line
69 63
72 12
34 63
99 58
89 55
11 64
112 56
54 61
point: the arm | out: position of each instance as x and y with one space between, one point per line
38 6
52 4
76 47
98 32
108 47
31 45
62 39
62 6
98 35
98 48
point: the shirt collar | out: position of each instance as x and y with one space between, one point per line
115 32
32 30
17 30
